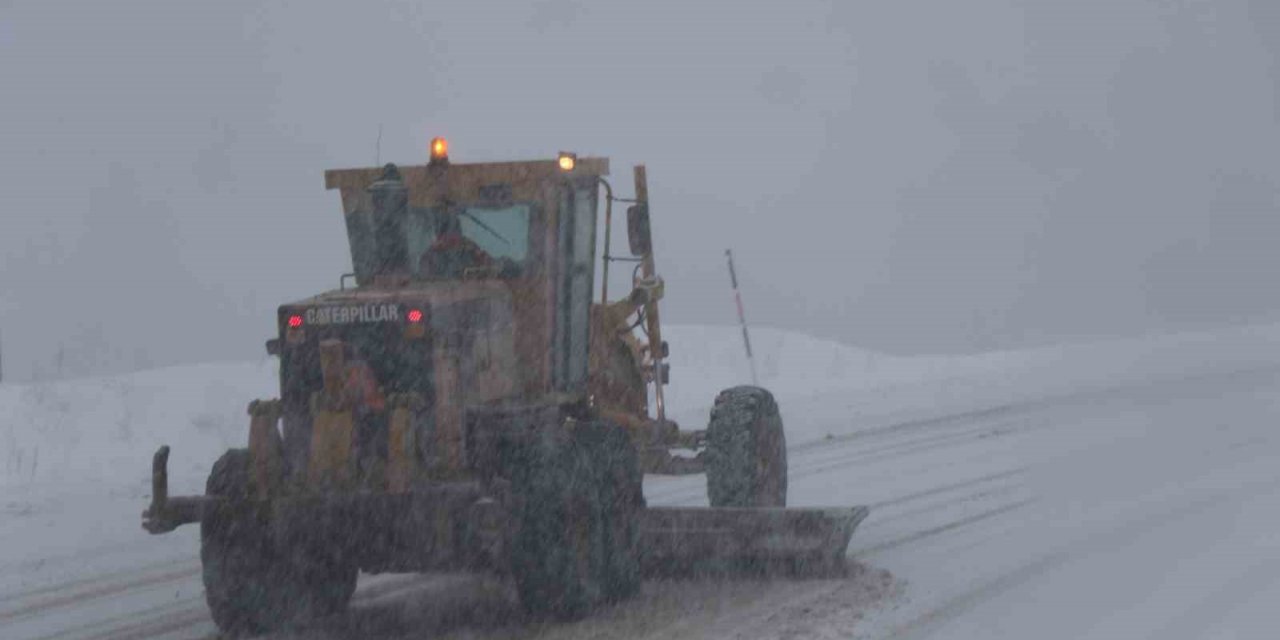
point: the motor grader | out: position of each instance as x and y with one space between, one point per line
464 402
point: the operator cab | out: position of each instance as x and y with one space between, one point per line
477 249
489 237
514 221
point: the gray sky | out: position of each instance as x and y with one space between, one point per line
908 176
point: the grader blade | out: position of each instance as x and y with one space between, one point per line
696 540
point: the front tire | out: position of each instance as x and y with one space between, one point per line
746 450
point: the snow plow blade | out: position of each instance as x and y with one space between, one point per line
698 540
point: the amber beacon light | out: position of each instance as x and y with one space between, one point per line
439 150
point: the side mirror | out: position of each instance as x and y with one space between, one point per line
663 374
638 229
664 351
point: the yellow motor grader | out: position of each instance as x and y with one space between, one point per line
463 401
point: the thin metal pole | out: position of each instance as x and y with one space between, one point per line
608 231
742 317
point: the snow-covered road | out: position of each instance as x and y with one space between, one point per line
1145 509
1147 512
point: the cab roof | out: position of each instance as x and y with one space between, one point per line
428 184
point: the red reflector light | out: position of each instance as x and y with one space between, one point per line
295 322
415 316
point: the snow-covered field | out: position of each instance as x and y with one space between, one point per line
1113 490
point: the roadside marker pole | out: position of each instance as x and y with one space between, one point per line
742 317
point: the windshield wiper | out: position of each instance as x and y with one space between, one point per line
486 227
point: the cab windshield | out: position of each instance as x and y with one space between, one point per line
444 243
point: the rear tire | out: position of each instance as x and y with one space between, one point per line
577 504
746 450
557 554
249 585
621 498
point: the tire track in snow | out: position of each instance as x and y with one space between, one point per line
190 612
947 488
183 609
922 534
86 581
968 437
104 587
967 599
733 626
999 490
908 444
953 607
162 626
804 470
80 554
1036 404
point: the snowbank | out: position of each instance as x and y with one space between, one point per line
102 432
